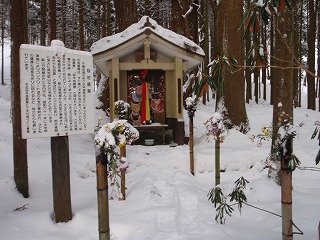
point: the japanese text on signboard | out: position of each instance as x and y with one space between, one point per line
56 92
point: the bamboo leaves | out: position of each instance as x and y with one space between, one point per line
264 11
315 132
219 66
220 201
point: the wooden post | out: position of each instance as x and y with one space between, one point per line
102 192
286 193
217 160
123 153
191 145
61 179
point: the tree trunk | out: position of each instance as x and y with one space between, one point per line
264 70
248 70
300 54
20 161
256 73
98 19
318 71
63 21
272 48
311 56
43 22
104 18
53 17
109 32
229 39
282 79
126 14
283 93
184 22
81 29
296 53
147 8
205 7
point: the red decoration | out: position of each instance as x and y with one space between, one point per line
144 74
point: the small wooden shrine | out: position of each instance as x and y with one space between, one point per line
145 65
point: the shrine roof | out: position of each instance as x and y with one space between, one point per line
163 40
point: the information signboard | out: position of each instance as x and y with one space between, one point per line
56 91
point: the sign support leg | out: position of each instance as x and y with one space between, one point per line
61 178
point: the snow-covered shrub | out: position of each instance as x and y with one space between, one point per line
109 139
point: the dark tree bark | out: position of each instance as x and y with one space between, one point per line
53 19
272 49
19 35
282 80
248 43
63 21
108 12
205 44
300 54
296 46
98 18
229 39
256 72
43 22
105 8
311 56
81 21
318 71
264 70
185 18
147 8
126 14
283 98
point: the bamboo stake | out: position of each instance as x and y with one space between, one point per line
286 194
217 160
191 145
103 199
123 153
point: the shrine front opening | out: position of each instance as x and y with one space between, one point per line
151 102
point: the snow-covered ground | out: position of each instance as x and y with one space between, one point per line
164 201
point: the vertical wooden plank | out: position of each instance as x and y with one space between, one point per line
179 96
61 179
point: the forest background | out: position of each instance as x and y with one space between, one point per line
273 41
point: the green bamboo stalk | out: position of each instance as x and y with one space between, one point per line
123 153
103 198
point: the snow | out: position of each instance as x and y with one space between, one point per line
112 41
260 3
163 201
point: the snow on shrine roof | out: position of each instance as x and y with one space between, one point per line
145 23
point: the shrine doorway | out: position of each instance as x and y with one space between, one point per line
156 95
